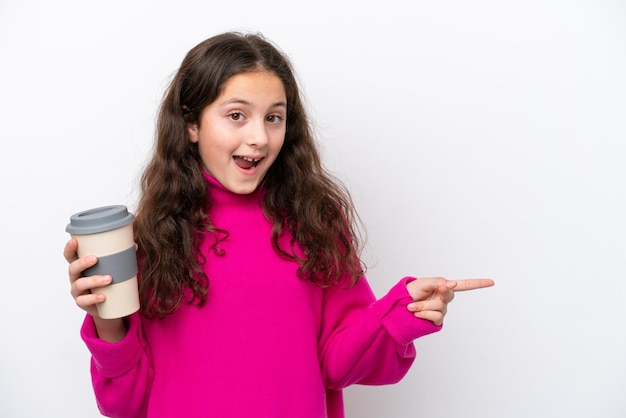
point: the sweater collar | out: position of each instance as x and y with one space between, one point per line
222 197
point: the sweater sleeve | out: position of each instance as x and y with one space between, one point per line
368 341
122 372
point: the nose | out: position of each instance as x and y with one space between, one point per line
257 135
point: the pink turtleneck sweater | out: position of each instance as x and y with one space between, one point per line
265 344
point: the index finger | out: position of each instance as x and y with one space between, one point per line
471 284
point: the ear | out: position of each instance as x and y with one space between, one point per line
192 128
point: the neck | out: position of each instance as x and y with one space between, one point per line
221 197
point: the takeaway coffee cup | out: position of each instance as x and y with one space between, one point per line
107 232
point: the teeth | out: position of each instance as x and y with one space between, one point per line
252 160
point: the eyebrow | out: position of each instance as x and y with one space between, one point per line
247 103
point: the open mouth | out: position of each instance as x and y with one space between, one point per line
246 163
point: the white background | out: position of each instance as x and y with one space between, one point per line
479 139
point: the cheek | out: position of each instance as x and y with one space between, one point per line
277 145
216 144
214 153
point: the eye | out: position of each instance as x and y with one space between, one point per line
274 118
235 116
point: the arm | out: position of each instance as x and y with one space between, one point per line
121 372
120 365
367 341
371 342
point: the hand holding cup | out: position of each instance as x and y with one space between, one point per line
107 233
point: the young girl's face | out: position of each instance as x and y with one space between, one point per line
240 134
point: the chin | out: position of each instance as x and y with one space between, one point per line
242 188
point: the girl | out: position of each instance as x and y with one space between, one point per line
253 298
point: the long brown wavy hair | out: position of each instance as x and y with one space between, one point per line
173 210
